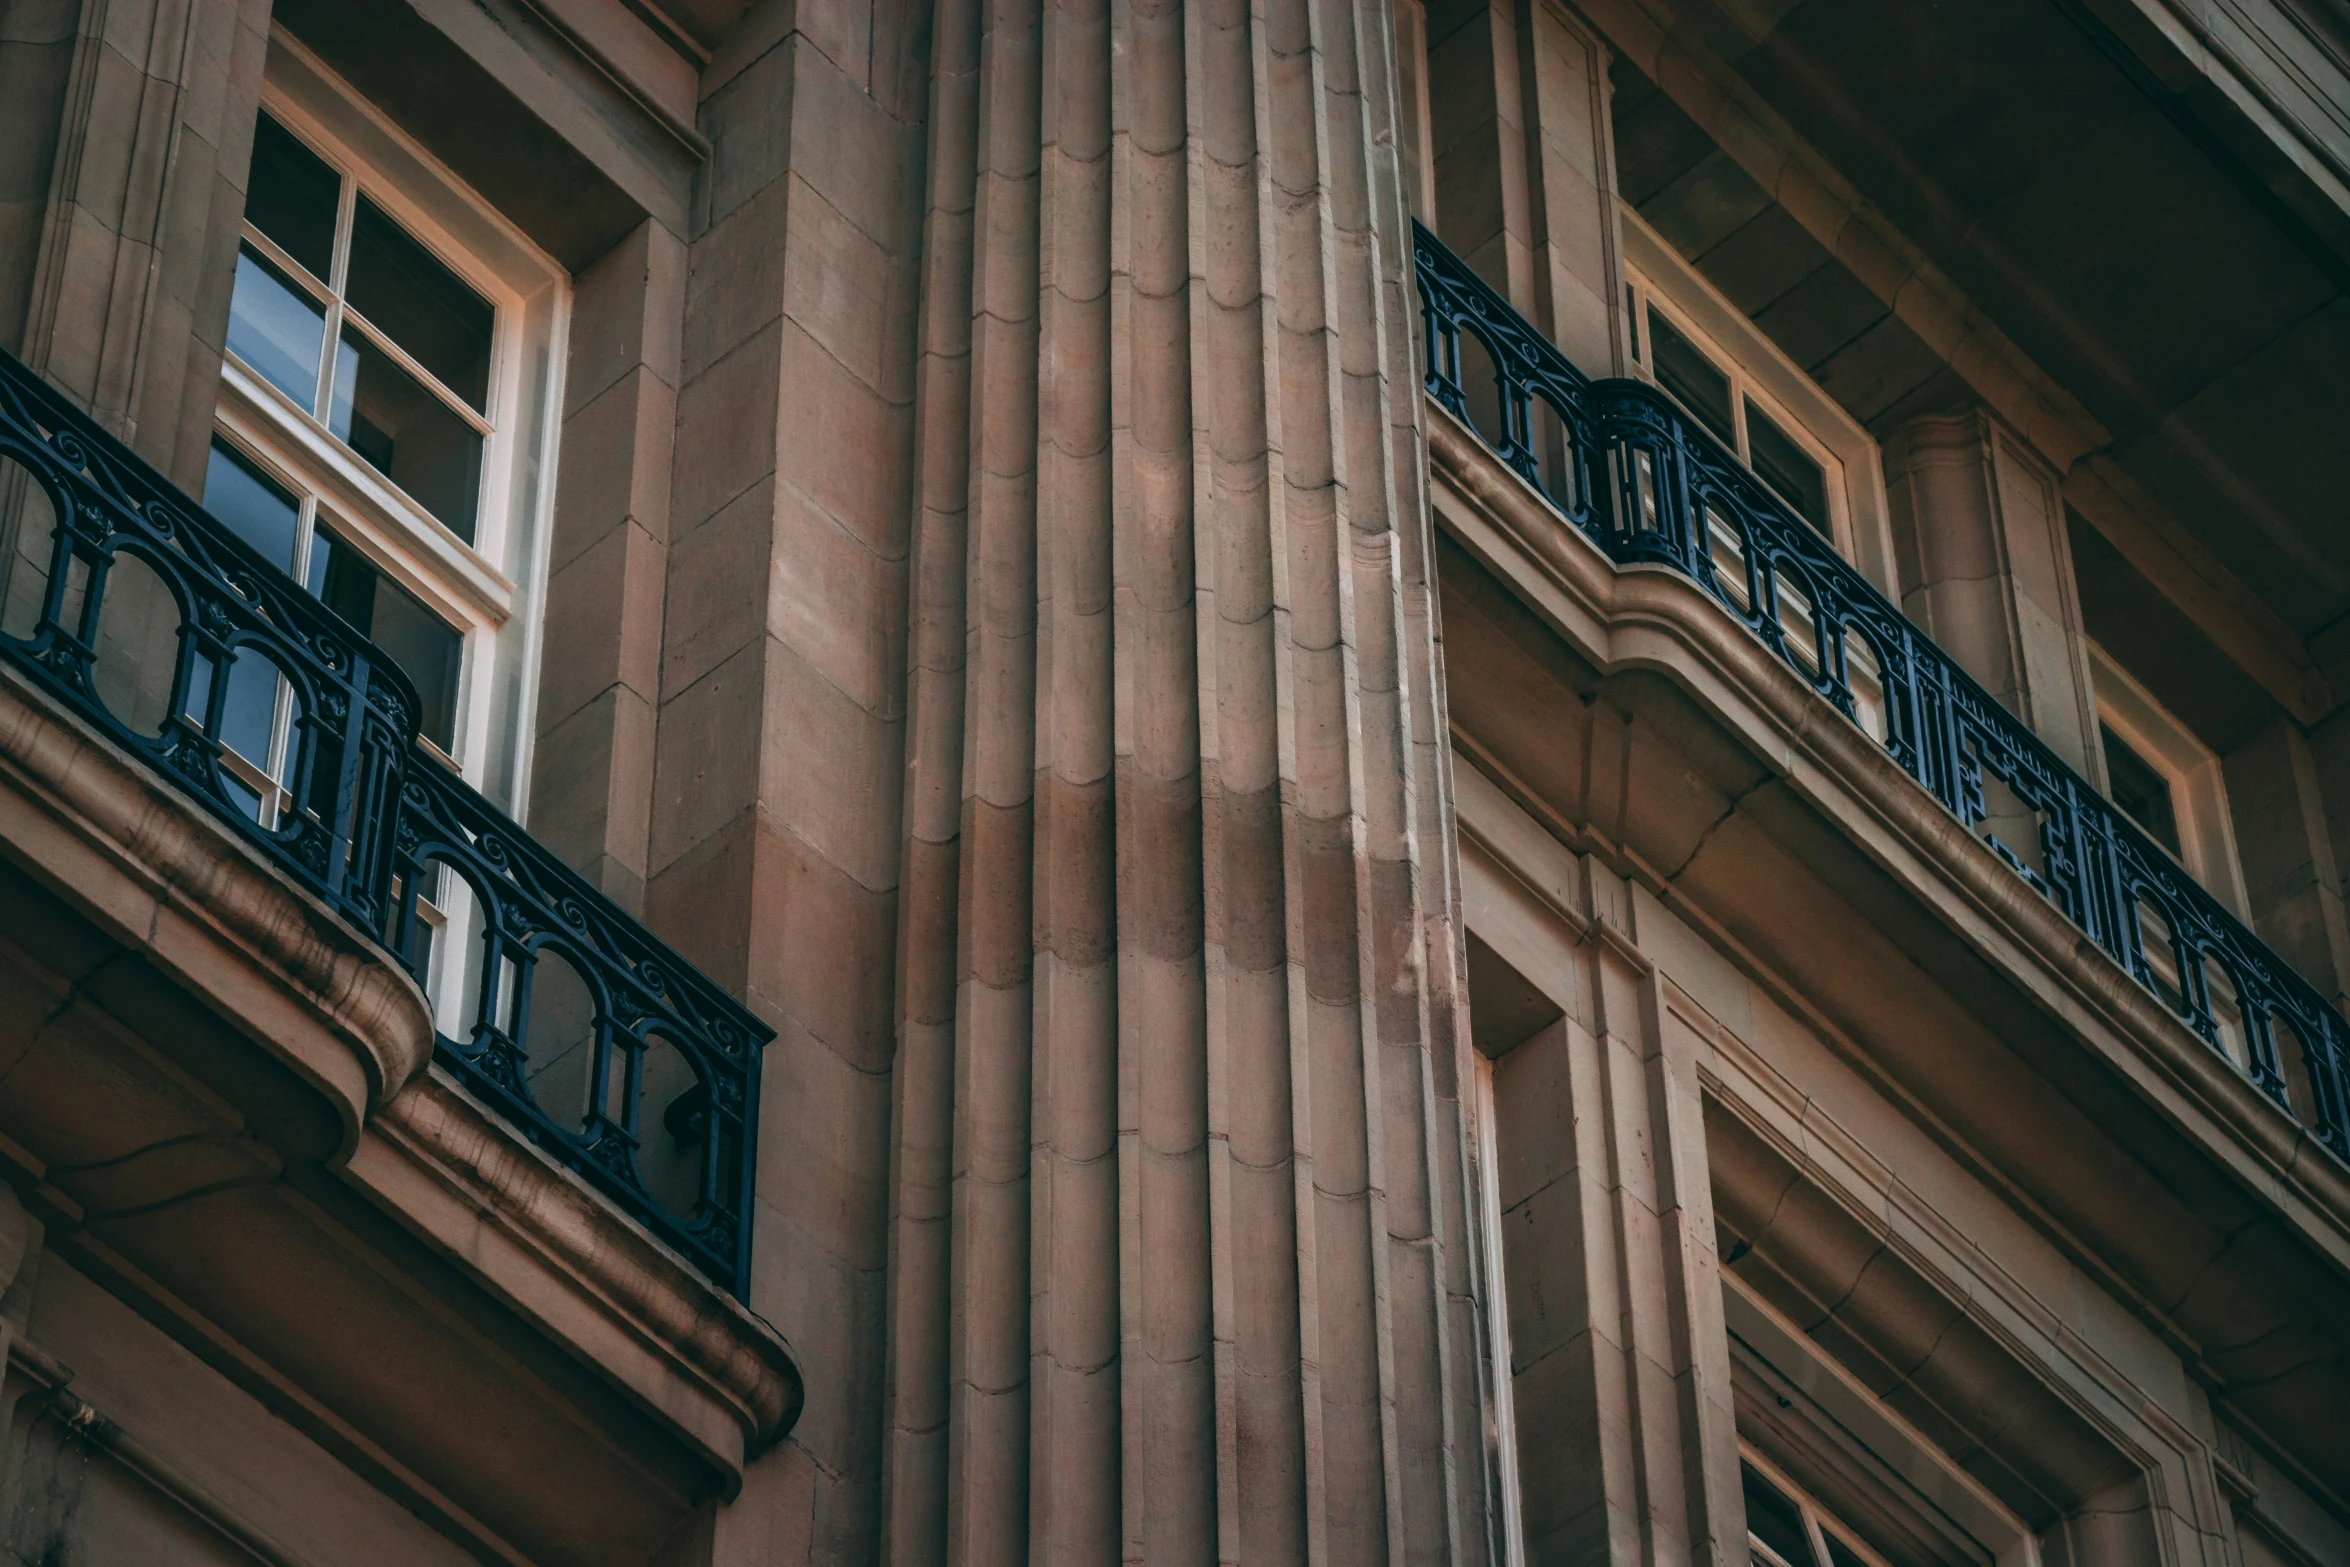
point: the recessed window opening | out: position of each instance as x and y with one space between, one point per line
2141 791
2162 776
1682 369
1786 1527
1719 399
363 328
386 438
1787 468
1803 447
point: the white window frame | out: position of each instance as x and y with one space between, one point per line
1659 278
2198 786
1818 1520
489 591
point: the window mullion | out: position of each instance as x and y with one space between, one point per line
278 257
425 378
1819 1535
346 210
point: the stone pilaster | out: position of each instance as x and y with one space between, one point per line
1179 1252
1522 164
773 850
1987 571
592 777
1627 1438
2292 880
125 300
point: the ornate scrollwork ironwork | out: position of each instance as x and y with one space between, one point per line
1669 493
663 1065
598 1083
338 776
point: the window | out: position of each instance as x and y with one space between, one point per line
289 531
1780 462
1786 1528
1740 386
363 328
1722 403
2167 781
1685 372
2140 789
385 437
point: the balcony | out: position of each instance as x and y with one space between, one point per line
316 1062
585 1029
1624 466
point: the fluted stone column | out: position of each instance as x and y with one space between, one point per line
1179 1255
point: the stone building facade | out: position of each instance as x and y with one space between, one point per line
1435 781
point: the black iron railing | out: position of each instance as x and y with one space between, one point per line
1620 461
164 631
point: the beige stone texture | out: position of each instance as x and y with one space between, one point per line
1938 1221
772 854
608 565
214 1094
126 302
1181 1251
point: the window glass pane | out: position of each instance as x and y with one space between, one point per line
406 294
291 196
1690 376
260 513
406 433
425 647
1787 468
1727 548
1773 1519
248 715
2142 793
276 328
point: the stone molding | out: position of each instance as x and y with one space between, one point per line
590 1276
1653 618
159 873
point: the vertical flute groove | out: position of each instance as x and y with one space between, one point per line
1202 1270
988 1486
1163 1026
917 1385
1075 1469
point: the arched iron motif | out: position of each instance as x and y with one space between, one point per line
367 818
1667 482
356 712
524 903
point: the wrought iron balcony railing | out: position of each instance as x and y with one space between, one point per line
169 635
1620 461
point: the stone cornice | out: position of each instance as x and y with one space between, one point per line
1655 619
161 874
561 1255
